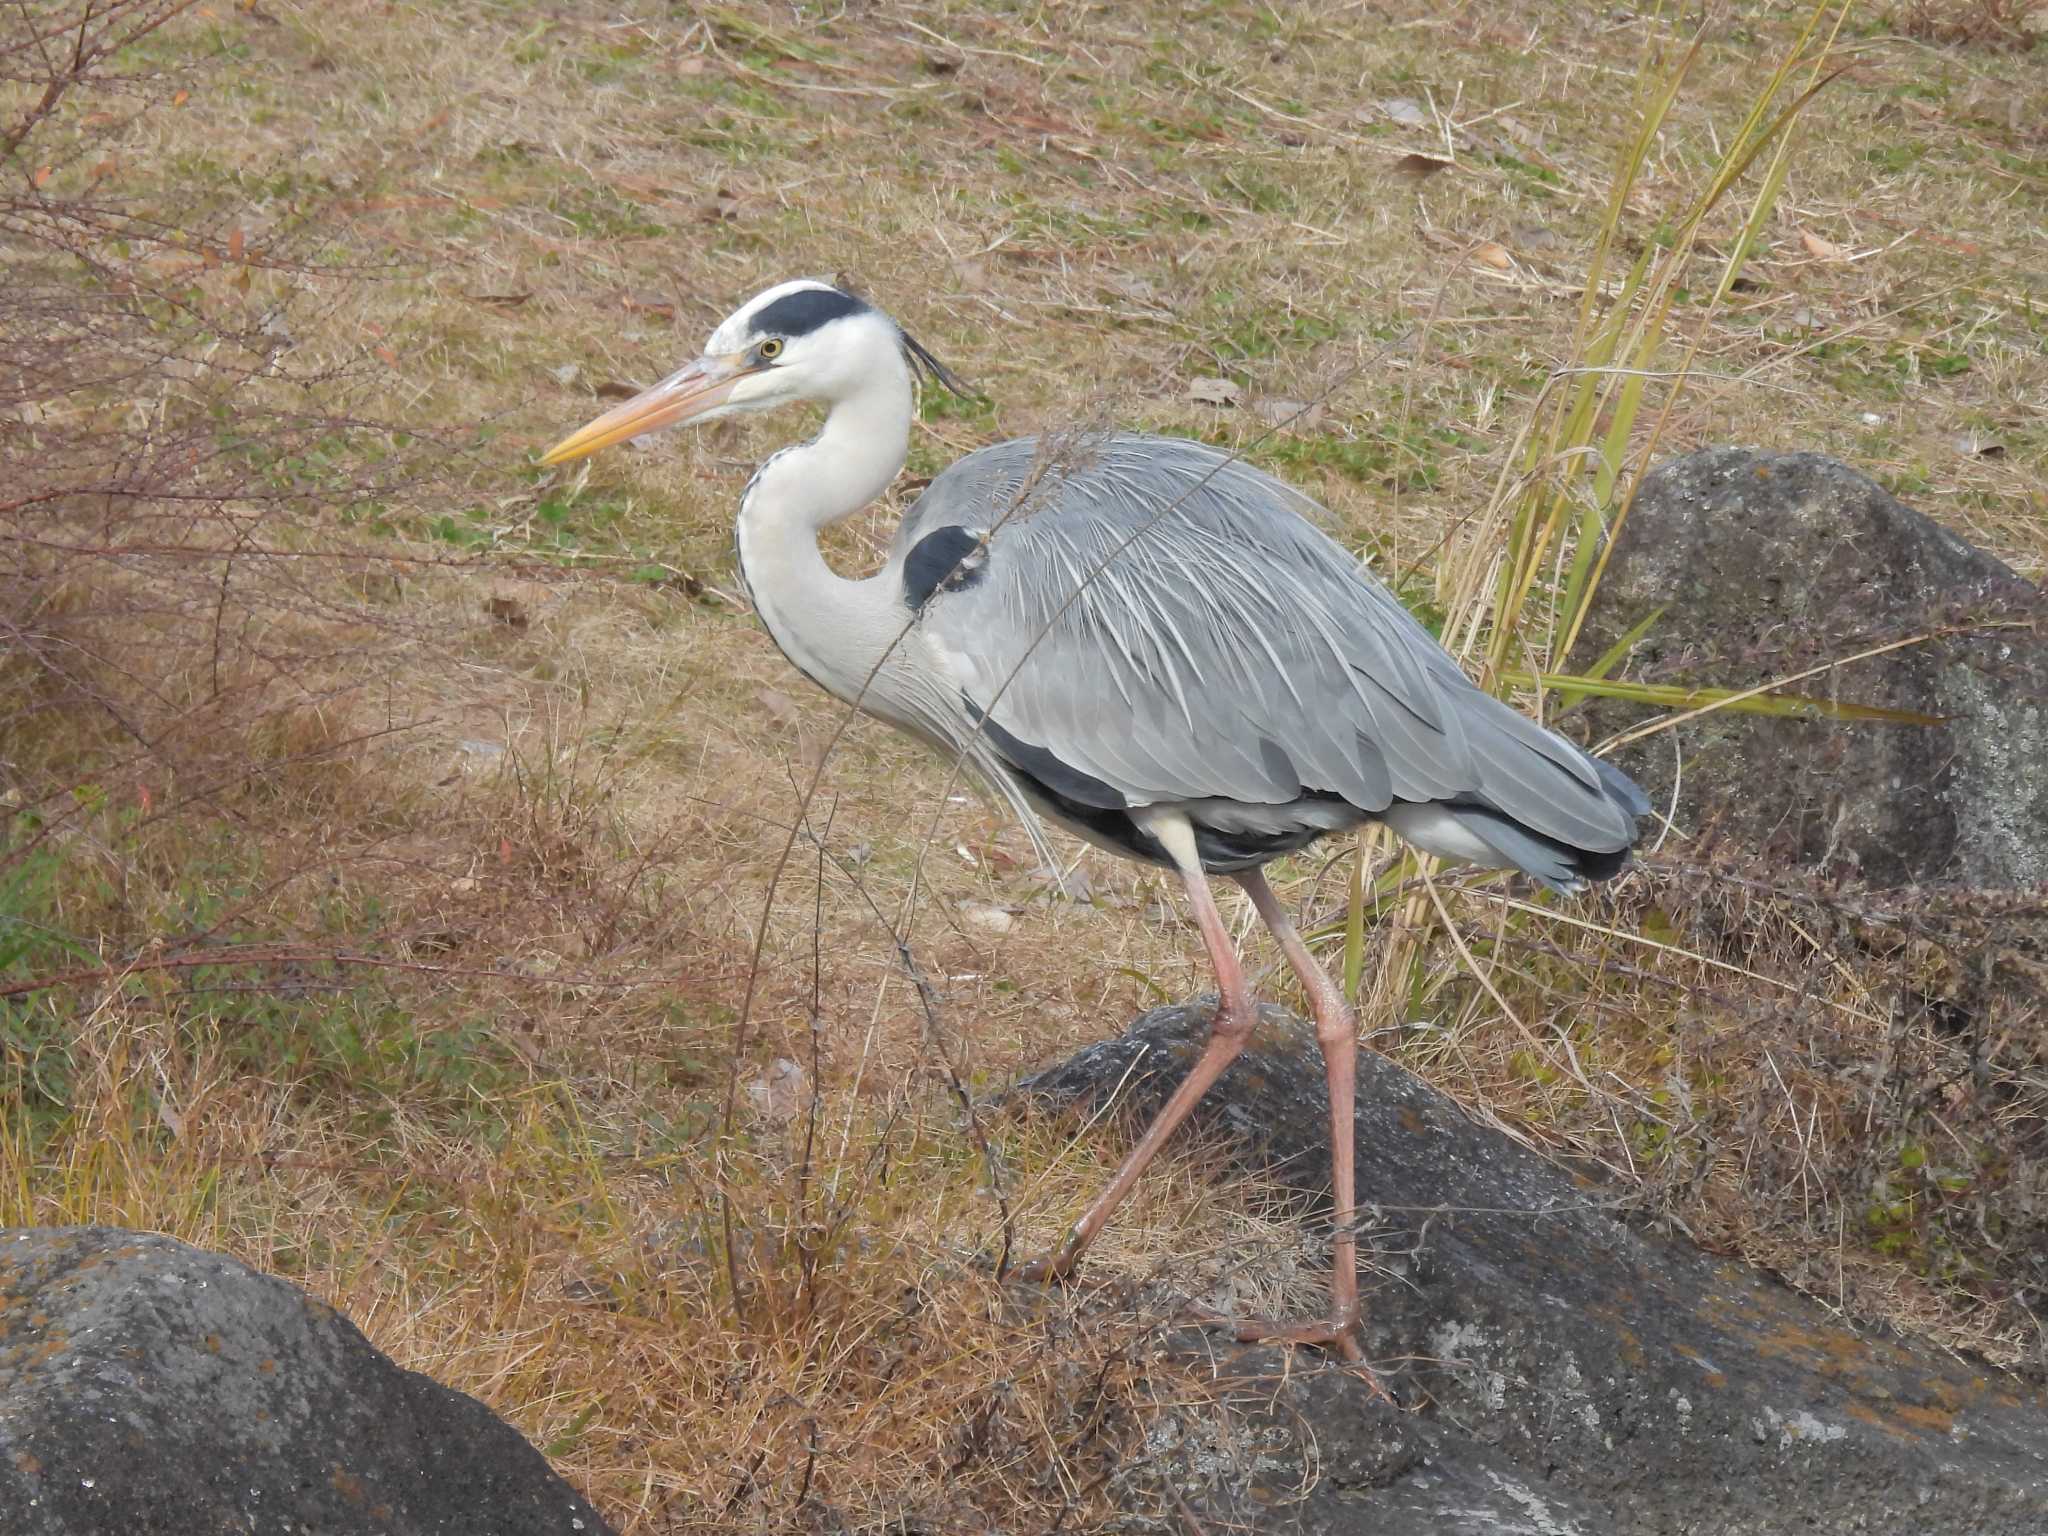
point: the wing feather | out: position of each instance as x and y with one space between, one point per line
1170 621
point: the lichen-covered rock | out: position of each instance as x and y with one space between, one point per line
1559 1371
1767 564
148 1388
1278 1445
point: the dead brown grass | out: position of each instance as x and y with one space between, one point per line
429 1000
2016 24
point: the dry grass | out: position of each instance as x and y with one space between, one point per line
2017 24
435 1011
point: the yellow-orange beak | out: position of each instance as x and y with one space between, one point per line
683 396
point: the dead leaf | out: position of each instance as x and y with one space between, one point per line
1293 415
1819 249
237 244
507 611
721 437
179 98
1408 114
778 706
996 854
778 1093
693 65
388 357
43 174
1064 885
1421 167
987 918
1536 237
1973 446
1219 392
649 304
1493 254
720 207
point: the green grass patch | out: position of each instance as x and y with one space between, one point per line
604 213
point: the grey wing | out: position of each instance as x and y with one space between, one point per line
1157 622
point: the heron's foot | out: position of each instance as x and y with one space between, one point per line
1338 1335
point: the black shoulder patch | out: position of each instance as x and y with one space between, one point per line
949 557
1065 782
800 313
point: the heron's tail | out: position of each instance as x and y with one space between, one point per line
1473 831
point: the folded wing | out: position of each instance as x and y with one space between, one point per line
1157 622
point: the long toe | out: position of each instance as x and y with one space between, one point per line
1339 1336
1340 1339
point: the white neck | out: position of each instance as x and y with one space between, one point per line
834 630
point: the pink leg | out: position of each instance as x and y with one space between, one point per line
1337 1034
1227 1035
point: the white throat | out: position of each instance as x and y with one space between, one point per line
834 630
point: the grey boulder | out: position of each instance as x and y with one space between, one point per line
1767 564
1559 1371
148 1388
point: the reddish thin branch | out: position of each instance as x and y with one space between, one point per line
86 53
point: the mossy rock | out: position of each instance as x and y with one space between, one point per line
1766 565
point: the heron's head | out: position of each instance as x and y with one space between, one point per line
804 340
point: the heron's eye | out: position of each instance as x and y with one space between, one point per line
769 350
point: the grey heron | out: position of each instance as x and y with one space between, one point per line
1141 639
